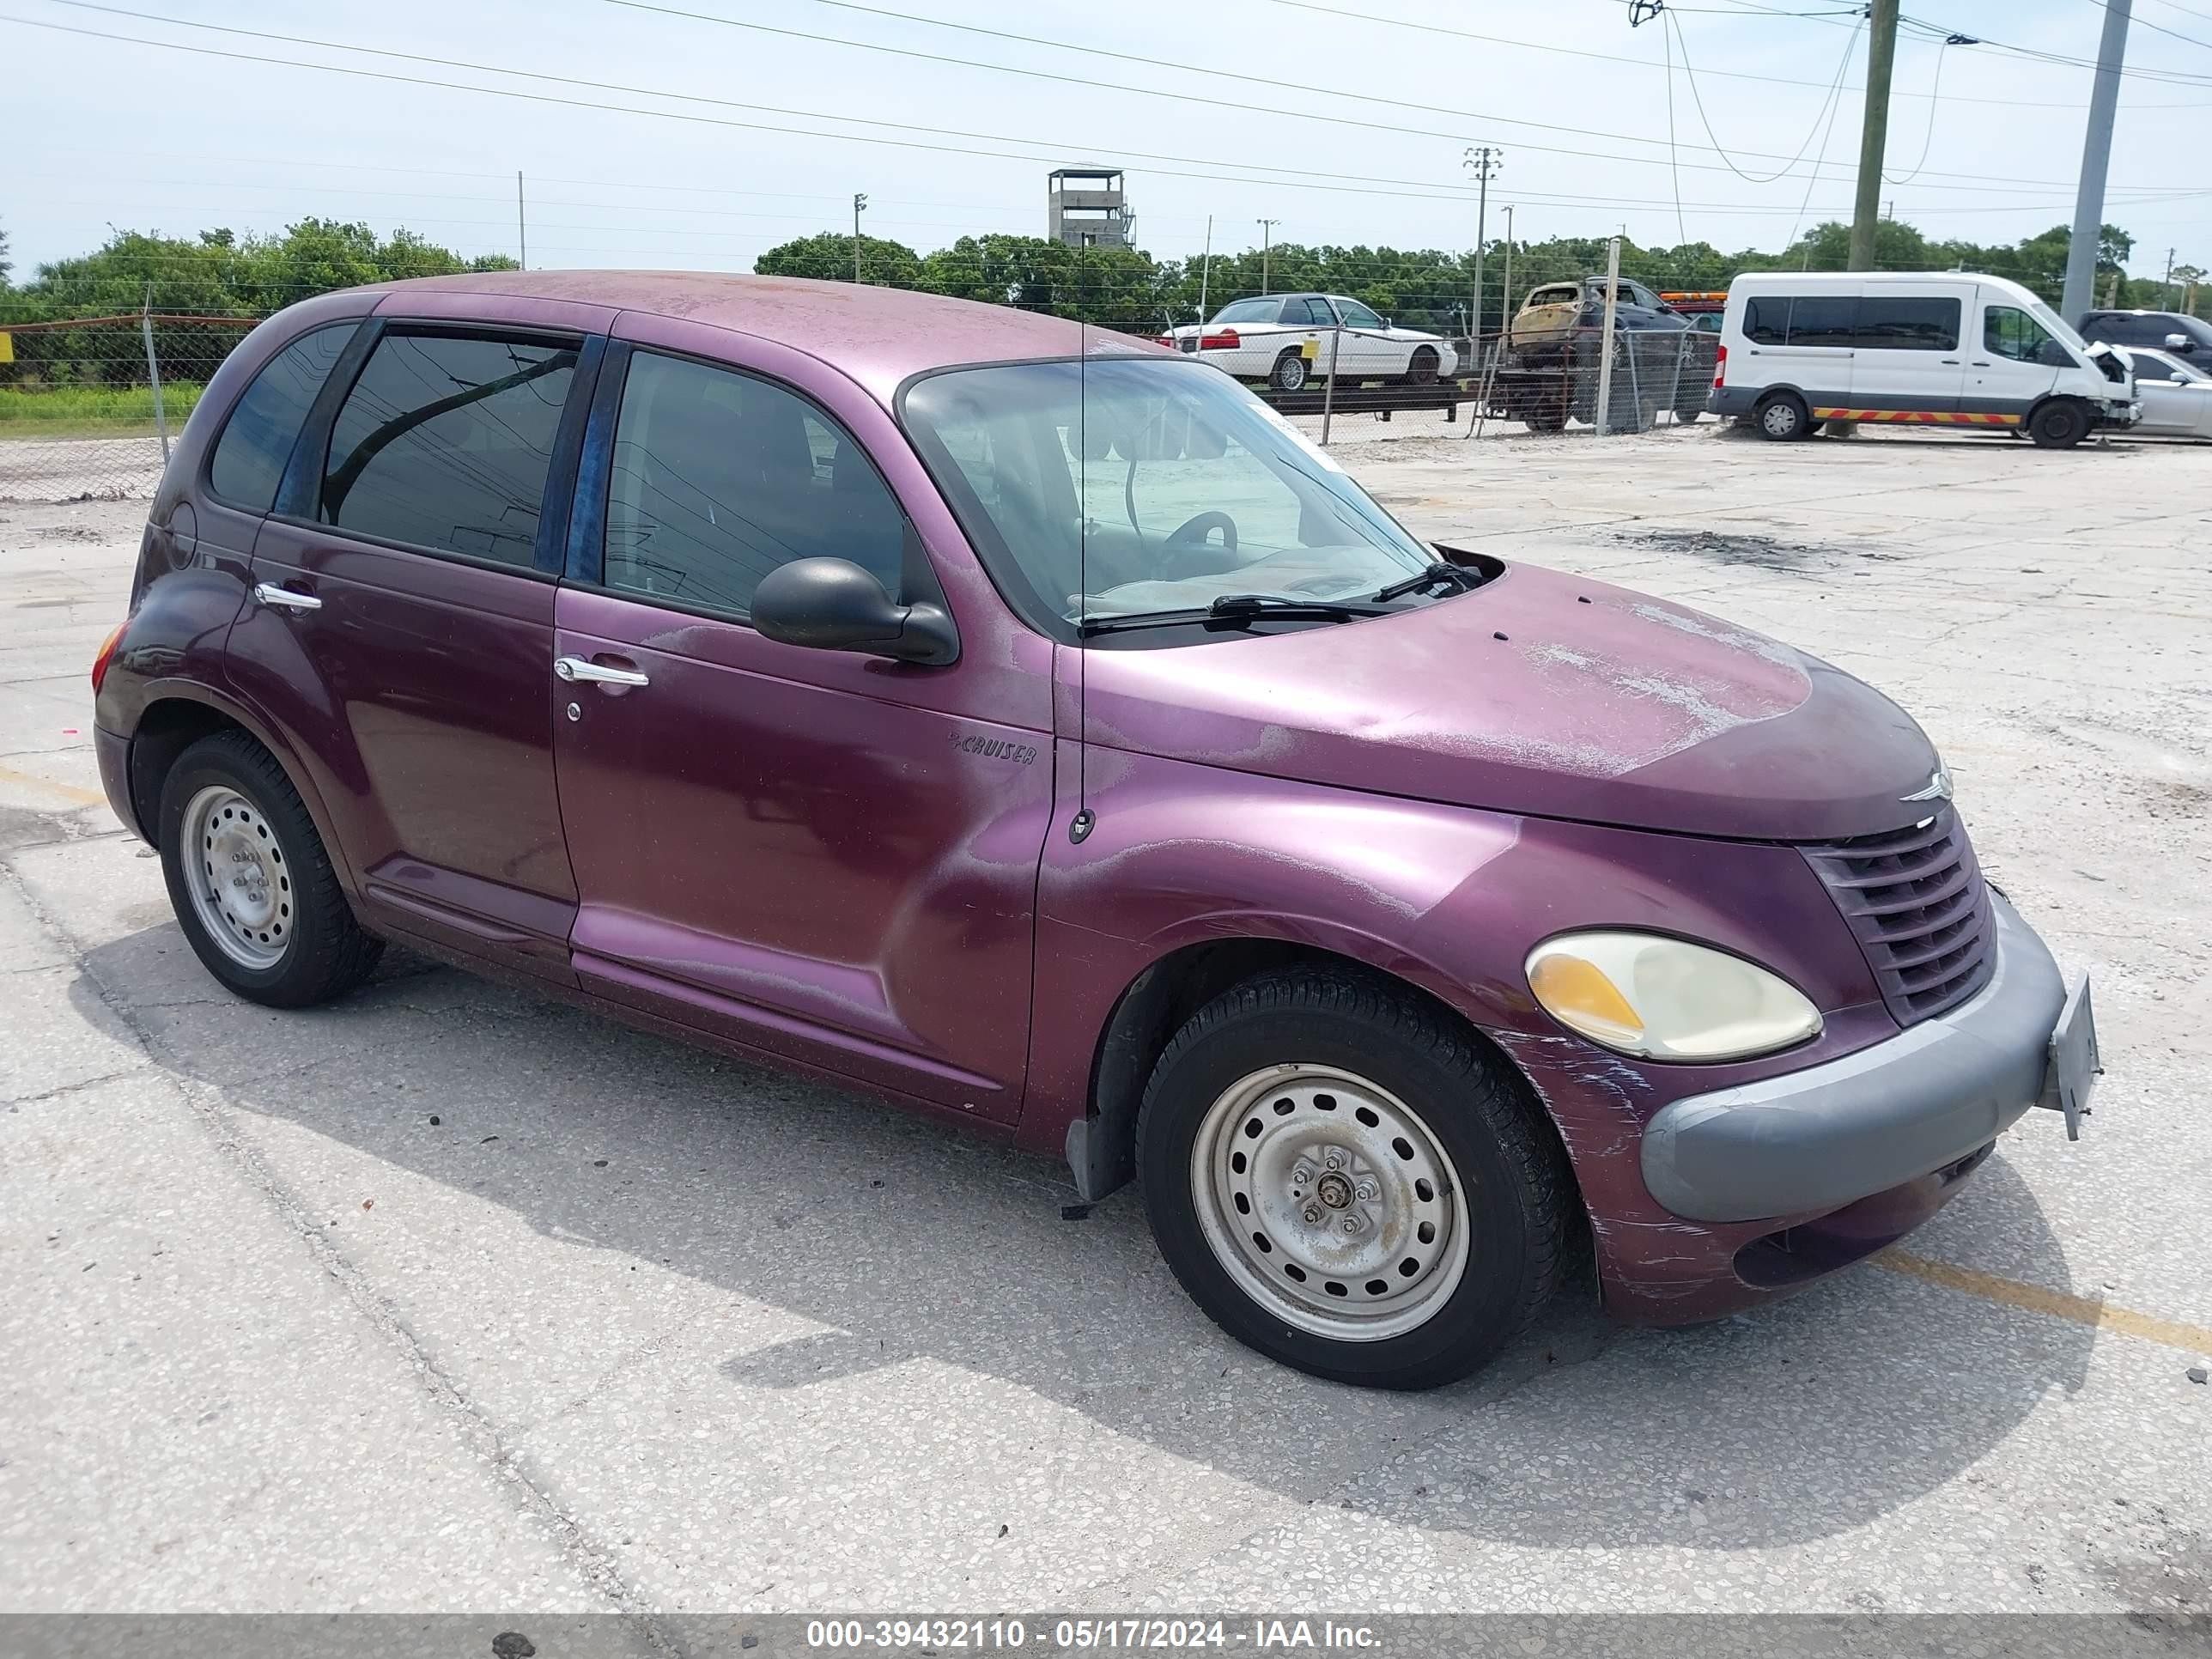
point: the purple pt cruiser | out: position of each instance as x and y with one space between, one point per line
1027 726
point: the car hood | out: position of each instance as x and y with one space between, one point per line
1538 693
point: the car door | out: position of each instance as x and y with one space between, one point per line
1367 347
2008 367
2168 410
401 628
826 857
1905 354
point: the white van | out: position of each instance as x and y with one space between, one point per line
1946 348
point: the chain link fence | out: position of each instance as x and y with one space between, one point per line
89 405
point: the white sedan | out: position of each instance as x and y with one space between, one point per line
1288 339
2176 396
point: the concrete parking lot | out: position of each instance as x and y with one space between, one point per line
447 1298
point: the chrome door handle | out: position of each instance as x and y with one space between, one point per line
577 671
270 593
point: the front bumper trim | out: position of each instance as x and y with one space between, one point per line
1810 1141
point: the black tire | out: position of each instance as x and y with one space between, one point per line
1689 414
2060 423
1518 1191
1546 420
326 953
1422 370
1291 373
1782 417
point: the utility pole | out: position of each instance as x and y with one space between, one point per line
521 224
1605 346
1266 234
2166 283
2096 157
860 202
1483 160
1881 56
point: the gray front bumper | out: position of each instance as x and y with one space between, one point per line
1822 1138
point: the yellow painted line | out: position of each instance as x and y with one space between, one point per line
2038 1298
68 792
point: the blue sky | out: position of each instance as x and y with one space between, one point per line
703 182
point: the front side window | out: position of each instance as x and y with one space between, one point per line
2148 367
1104 488
249 459
2011 332
1890 323
719 477
445 443
1357 315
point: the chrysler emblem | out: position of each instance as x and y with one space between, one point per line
1939 787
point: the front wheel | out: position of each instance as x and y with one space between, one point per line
252 888
1422 371
2059 424
1345 1181
1783 417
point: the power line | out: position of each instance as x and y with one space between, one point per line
1934 103
1638 62
1697 99
2177 34
1835 108
1980 184
2172 78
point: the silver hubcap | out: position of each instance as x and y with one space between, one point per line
1779 418
1293 374
1329 1202
241 884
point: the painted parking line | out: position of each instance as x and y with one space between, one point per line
2038 1298
68 792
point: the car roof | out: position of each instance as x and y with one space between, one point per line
877 336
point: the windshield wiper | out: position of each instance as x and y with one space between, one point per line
1436 571
1238 611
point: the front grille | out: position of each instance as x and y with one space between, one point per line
1917 901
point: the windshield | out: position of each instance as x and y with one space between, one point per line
1134 484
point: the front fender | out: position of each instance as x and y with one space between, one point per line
1447 899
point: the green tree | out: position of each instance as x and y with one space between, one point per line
5 267
828 257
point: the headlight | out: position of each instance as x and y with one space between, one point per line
1665 998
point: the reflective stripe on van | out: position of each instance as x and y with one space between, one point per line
1931 417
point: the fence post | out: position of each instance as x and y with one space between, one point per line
1681 351
1605 350
1329 386
154 372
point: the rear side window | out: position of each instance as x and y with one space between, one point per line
1908 325
1824 320
1250 311
718 478
249 459
1309 313
445 443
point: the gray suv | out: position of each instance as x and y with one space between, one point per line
2166 330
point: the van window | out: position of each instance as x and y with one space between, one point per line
249 459
1807 320
2011 332
718 478
445 443
1893 323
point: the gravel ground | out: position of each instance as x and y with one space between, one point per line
446 1299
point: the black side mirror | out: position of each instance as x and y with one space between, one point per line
2053 355
832 605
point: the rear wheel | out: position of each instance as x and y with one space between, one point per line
2059 424
1345 1181
1290 373
1782 415
252 885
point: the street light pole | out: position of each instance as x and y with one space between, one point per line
860 202
1267 235
1483 160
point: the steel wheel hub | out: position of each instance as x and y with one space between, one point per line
241 886
1329 1201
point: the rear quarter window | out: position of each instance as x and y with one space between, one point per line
250 457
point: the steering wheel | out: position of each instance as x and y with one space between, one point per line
1190 536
